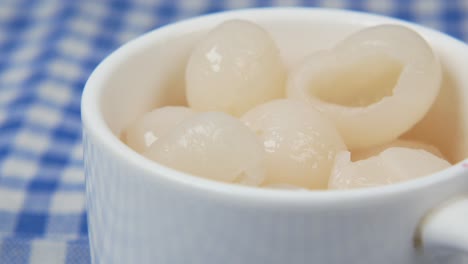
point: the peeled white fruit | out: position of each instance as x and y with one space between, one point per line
300 143
367 153
374 85
390 166
235 67
212 145
152 125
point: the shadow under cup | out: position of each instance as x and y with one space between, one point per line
141 212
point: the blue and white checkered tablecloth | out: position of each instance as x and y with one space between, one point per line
47 51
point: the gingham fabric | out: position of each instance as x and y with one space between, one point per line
47 51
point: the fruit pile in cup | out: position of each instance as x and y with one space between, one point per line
332 122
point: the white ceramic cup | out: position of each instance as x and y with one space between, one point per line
143 212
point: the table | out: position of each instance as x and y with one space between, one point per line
47 51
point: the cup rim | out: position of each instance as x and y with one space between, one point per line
95 126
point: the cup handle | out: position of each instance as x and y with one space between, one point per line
445 231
